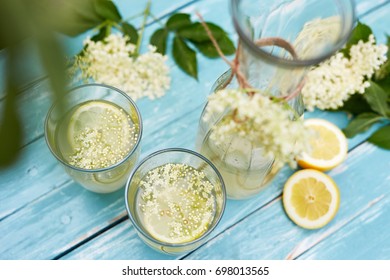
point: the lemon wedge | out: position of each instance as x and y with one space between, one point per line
329 147
311 198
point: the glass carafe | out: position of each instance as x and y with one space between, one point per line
279 41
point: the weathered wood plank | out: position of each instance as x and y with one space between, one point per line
32 109
73 45
86 213
362 6
365 238
127 9
48 226
35 102
127 245
381 26
37 174
171 136
269 234
168 130
235 210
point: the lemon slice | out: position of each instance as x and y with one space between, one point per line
100 134
157 229
311 198
102 116
177 227
329 147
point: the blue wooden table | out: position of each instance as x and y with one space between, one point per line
46 215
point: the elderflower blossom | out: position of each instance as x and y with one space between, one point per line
257 118
113 62
180 199
335 80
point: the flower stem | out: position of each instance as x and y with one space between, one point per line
141 32
214 41
242 81
108 30
118 26
104 23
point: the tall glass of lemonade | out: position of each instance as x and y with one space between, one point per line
175 198
95 131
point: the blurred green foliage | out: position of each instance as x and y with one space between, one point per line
38 21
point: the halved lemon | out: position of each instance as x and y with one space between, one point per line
329 147
311 198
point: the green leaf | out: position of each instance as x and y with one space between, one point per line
101 35
178 21
356 105
360 32
377 98
385 84
107 10
11 132
196 32
159 39
53 60
131 32
73 17
381 137
15 24
384 71
208 49
361 123
185 57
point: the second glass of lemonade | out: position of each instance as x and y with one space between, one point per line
95 131
175 198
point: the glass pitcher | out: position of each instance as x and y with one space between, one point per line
279 41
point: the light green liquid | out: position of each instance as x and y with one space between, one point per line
98 135
244 168
176 203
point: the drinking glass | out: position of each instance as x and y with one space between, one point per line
172 197
59 127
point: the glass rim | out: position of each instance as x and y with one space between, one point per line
146 234
248 42
98 169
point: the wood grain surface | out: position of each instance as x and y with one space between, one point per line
45 215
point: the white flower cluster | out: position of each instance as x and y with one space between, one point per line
104 145
113 62
94 152
179 198
316 35
264 122
335 80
